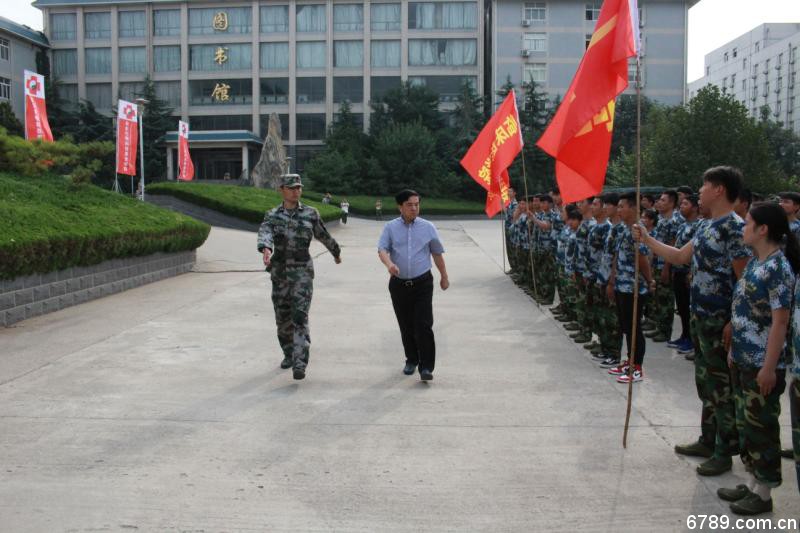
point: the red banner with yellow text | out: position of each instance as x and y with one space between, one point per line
36 124
127 137
185 165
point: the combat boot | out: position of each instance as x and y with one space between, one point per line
752 504
715 466
695 449
787 453
582 338
572 326
287 362
734 495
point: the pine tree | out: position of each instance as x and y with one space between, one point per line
158 120
9 120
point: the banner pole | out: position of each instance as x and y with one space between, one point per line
503 233
632 352
527 229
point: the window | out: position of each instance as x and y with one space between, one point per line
131 91
358 119
5 88
593 9
442 15
735 52
131 24
780 59
97 25
632 71
274 91
311 54
733 81
385 54
536 72
380 85
758 46
535 42
587 40
65 62
744 85
4 49
132 59
311 19
348 54
99 94
166 22
201 21
274 19
166 58
708 71
349 88
98 61
205 57
220 122
68 92
63 27
744 64
310 127
240 91
447 87
442 52
535 11
304 154
169 92
384 17
725 57
284 119
793 56
311 90
348 17
274 56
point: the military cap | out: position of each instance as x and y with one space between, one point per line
291 180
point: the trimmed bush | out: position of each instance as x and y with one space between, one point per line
365 205
49 224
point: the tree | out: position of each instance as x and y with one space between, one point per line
9 120
784 145
158 120
61 114
624 136
411 103
339 167
465 123
535 116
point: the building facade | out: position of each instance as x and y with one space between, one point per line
18 48
545 41
759 69
225 66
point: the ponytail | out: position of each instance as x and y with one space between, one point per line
792 251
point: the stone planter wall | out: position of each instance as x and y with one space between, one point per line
31 296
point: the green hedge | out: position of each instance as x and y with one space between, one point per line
246 203
49 224
365 205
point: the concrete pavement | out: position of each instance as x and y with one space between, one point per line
163 409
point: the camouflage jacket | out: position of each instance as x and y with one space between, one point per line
288 233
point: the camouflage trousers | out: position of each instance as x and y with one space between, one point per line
292 290
582 304
561 286
546 283
713 381
536 272
663 306
794 406
570 297
605 322
757 423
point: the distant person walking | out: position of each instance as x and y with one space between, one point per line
378 209
345 207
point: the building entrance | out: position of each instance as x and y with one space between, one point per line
213 163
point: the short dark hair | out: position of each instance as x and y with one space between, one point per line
554 190
404 195
729 177
694 199
629 197
545 198
746 196
574 215
589 199
649 197
611 198
651 213
672 196
685 189
790 195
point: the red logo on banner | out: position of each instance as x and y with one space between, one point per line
129 112
33 86
36 125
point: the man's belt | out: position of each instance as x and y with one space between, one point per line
297 256
413 281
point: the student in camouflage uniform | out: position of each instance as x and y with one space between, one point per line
794 387
680 276
596 294
283 240
608 321
547 268
563 312
790 202
664 297
535 213
717 257
574 219
762 302
581 267
508 220
523 235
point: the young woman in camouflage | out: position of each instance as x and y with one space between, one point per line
761 308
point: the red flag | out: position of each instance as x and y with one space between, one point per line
127 137
36 124
185 165
495 148
579 136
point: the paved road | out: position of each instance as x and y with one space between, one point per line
163 409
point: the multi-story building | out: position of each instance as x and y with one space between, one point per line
544 41
759 69
224 66
19 46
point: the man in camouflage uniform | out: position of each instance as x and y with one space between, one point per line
581 267
546 266
718 257
283 240
508 221
607 322
666 231
594 255
573 222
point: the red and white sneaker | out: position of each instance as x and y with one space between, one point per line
619 370
637 376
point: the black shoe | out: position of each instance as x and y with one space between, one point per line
787 453
409 369
299 373
695 449
425 374
286 363
715 466
733 495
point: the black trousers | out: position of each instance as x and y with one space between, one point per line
625 314
680 285
413 306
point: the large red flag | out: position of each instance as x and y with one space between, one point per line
185 165
579 136
499 142
36 124
127 137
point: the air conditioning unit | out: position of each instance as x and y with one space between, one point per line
525 53
754 76
526 23
778 66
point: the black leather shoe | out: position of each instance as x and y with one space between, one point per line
409 369
425 374
286 363
299 373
